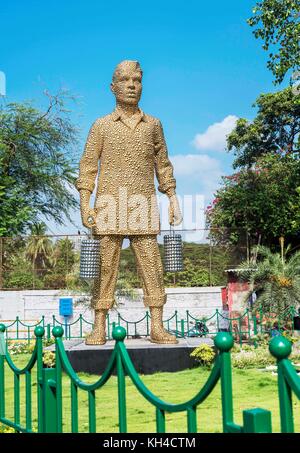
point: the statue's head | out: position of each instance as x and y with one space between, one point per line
127 82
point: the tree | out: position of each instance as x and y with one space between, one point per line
260 200
37 168
276 279
39 248
14 211
63 256
20 273
62 265
276 22
275 129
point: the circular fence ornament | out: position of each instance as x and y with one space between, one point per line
89 258
173 258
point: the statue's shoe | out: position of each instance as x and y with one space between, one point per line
95 339
163 337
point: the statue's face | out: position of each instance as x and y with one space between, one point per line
127 87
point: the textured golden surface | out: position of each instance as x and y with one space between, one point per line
98 336
131 150
158 334
149 265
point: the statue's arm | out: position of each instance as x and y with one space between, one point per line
163 165
164 173
88 169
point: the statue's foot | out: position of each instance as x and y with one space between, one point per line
161 336
98 335
95 339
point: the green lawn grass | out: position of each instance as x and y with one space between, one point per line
251 388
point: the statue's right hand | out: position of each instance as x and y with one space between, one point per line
88 217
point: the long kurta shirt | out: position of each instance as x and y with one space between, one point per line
126 153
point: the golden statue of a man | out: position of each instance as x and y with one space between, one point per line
130 147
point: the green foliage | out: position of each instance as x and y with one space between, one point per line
54 280
276 22
14 211
260 200
48 342
31 347
63 256
38 247
263 197
204 354
20 273
290 337
274 130
4 429
192 275
38 262
261 339
49 359
276 280
125 282
16 347
198 259
204 265
20 347
248 356
37 168
254 358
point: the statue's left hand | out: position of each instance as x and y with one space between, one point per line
175 216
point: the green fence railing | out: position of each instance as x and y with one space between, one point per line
240 326
266 320
288 382
50 391
243 327
21 330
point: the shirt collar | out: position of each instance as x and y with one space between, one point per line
116 115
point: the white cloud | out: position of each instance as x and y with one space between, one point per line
199 172
214 138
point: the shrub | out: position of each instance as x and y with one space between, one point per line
261 339
30 347
203 354
6 429
236 348
20 347
22 279
49 359
253 358
290 337
247 347
48 342
23 347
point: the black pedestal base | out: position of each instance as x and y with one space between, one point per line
147 357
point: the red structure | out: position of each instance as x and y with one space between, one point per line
236 291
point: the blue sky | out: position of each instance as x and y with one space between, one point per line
202 69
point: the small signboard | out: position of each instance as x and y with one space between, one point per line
66 306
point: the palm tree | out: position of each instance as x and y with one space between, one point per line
275 278
39 247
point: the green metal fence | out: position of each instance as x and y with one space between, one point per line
50 392
243 327
22 331
240 326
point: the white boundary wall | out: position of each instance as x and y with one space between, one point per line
31 305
